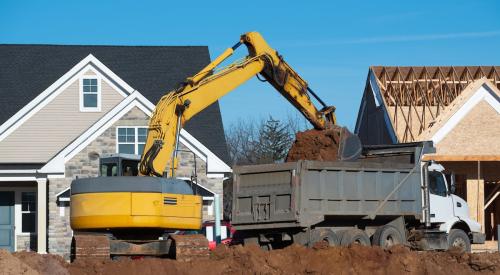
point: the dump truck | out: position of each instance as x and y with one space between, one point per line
388 196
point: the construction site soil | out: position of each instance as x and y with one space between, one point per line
252 260
322 145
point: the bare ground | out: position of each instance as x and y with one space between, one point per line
251 260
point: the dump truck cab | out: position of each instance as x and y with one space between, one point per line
447 210
113 165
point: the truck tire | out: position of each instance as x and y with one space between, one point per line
458 238
352 236
325 235
387 236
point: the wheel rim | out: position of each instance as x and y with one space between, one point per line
460 243
389 241
325 241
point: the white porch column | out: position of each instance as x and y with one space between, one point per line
41 211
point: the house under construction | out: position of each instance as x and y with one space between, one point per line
458 108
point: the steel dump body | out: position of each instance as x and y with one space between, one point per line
307 193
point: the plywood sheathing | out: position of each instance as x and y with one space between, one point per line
475 200
416 96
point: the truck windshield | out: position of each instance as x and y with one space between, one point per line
437 184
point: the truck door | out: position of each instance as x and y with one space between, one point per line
441 203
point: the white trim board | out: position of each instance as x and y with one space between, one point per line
377 96
57 163
482 93
215 166
44 98
214 163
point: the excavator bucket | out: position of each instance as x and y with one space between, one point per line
350 147
333 144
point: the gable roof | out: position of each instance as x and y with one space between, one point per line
413 98
461 106
56 165
27 70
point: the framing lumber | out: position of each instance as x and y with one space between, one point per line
415 96
461 158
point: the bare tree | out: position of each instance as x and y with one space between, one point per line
264 141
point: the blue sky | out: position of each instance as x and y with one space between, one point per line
330 43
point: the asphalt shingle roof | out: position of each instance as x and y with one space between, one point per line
27 70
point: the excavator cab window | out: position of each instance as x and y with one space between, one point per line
119 165
109 170
129 168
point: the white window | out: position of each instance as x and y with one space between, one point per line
130 140
28 212
90 94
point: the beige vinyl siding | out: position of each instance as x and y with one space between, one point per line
54 126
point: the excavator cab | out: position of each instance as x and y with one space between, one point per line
114 165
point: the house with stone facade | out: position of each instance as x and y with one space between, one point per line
62 107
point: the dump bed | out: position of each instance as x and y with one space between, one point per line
305 193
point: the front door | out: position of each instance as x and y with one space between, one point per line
7 220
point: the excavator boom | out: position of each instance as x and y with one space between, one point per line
201 90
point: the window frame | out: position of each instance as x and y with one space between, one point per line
136 138
99 94
35 211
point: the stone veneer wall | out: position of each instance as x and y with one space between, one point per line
86 164
26 242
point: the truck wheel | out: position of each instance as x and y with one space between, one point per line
352 236
387 236
324 236
458 238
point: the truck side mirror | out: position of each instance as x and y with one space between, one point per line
453 187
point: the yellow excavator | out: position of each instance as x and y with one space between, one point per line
124 216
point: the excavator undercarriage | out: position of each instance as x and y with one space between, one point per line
92 245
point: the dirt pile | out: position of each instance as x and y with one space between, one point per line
322 145
44 264
10 265
251 260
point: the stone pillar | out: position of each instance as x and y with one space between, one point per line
475 200
41 215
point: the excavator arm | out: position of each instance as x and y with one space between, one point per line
201 90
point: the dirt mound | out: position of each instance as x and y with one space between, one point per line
252 260
45 264
322 145
10 265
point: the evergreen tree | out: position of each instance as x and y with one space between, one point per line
274 141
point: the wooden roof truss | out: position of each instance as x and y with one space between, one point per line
415 96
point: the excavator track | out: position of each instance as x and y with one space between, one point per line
90 246
103 246
189 247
